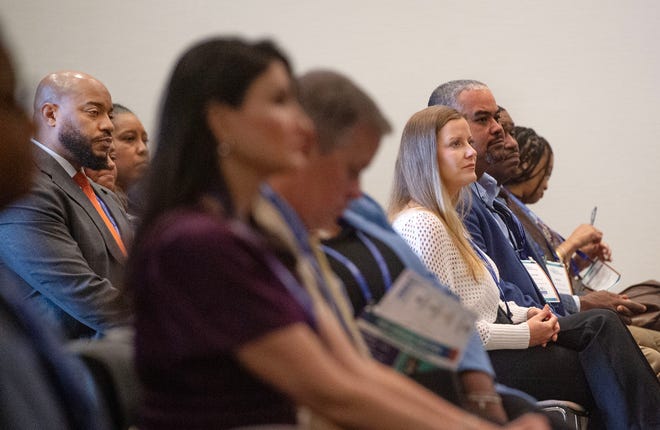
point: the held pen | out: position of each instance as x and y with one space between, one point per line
594 211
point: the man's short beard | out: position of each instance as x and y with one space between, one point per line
493 157
80 148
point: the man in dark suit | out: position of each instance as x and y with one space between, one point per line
64 244
41 386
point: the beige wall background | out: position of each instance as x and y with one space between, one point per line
583 74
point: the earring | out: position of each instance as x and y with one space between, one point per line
224 149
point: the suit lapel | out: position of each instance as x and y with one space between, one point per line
48 165
116 211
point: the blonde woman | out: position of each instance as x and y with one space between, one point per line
435 163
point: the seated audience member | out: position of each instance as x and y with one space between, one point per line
493 228
132 157
527 187
226 336
64 244
349 127
365 238
311 199
107 176
40 386
528 347
491 224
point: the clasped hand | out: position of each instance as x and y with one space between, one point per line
619 303
543 326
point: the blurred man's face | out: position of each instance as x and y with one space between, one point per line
333 179
322 189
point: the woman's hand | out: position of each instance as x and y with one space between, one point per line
599 250
585 235
543 326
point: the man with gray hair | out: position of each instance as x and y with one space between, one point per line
306 204
475 101
498 233
349 127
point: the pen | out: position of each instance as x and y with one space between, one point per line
593 214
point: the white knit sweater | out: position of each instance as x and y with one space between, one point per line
428 237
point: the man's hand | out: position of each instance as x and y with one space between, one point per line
619 303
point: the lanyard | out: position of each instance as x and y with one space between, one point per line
380 260
107 213
494 275
515 230
547 231
303 241
278 269
542 226
517 234
355 271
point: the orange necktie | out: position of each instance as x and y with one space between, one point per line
82 180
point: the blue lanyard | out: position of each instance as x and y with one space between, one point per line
574 269
504 213
494 275
380 260
536 220
302 239
355 271
107 213
515 230
277 268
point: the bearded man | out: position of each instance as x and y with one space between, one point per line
65 243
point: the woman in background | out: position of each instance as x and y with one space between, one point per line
528 186
582 246
131 157
225 335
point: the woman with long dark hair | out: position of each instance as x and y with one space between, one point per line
225 335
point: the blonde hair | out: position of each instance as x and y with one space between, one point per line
417 179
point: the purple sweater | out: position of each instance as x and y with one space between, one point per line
205 288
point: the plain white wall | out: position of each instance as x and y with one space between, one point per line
583 74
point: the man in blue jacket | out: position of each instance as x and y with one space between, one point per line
493 227
498 233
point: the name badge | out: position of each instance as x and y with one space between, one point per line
600 276
541 280
417 319
559 277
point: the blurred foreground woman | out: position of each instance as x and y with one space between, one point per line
226 337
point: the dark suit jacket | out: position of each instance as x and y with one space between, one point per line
57 250
43 386
515 282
